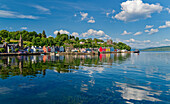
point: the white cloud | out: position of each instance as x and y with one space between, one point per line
84 15
113 17
146 41
152 31
24 28
61 32
75 15
168 10
130 40
91 33
113 11
138 33
148 26
107 14
136 41
167 24
167 40
42 9
95 34
91 20
146 30
75 34
10 14
133 10
126 33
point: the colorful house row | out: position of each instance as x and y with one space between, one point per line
106 49
44 49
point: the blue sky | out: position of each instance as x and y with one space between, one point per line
139 23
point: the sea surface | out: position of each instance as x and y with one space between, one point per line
106 79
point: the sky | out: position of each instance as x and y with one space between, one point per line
138 23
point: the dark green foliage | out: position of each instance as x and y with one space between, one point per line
2 50
43 34
16 50
7 39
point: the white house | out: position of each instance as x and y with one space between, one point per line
82 42
61 49
52 49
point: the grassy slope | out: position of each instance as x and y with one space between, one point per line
165 48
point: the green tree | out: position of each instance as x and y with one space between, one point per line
77 38
58 34
43 34
2 50
4 33
16 50
7 39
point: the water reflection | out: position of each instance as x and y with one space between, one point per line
34 65
108 78
133 92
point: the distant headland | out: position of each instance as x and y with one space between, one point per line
163 48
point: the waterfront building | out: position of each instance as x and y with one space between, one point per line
112 49
83 50
44 49
109 42
49 49
61 49
52 49
57 49
68 49
82 42
107 49
100 49
88 50
124 50
33 49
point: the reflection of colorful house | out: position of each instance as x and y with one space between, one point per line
107 56
44 58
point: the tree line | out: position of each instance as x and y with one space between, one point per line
40 39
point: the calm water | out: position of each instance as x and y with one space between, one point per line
111 78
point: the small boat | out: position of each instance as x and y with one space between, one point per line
136 51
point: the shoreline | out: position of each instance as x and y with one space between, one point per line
60 53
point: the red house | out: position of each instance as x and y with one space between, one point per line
100 49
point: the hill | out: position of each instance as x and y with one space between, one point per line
163 48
